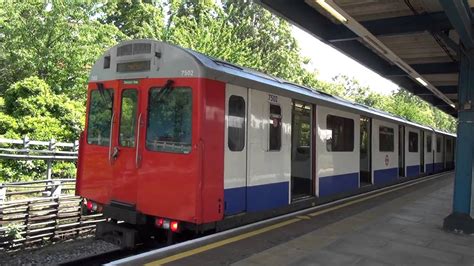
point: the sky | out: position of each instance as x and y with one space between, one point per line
329 62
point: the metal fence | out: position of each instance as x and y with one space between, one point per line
48 151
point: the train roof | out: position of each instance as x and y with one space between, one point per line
146 58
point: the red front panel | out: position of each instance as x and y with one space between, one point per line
213 121
186 186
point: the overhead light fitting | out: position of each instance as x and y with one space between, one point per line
422 82
331 10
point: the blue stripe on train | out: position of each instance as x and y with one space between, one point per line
413 170
438 167
385 176
429 168
268 196
256 198
234 199
330 185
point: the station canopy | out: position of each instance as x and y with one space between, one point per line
410 42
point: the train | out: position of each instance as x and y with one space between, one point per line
179 143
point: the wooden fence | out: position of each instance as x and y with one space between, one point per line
49 211
40 211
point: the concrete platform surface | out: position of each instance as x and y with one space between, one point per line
397 229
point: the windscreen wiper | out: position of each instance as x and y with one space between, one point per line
100 88
165 90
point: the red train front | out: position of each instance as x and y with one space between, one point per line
153 143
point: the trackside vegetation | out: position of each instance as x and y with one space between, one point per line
47 49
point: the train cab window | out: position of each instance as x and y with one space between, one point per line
128 118
275 128
412 141
236 123
100 115
169 120
342 133
438 144
429 140
386 139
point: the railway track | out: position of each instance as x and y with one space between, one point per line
123 256
106 257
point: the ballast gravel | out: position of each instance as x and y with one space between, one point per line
57 253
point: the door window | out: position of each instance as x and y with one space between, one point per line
100 115
438 144
342 134
386 139
128 118
169 120
236 123
275 127
428 143
412 141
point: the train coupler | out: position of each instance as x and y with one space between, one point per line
117 234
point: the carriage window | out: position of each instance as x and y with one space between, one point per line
448 146
429 139
100 116
387 139
412 142
128 117
236 123
169 120
438 144
275 127
342 133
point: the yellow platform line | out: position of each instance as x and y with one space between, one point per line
303 217
222 242
272 227
367 198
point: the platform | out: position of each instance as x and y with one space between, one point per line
400 227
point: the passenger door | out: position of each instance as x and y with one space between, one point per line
365 155
401 151
301 150
422 151
235 155
124 152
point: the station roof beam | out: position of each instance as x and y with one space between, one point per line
413 43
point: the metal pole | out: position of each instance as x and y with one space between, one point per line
52 146
460 219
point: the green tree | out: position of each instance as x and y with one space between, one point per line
57 42
240 32
135 19
32 109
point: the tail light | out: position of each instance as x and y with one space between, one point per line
159 222
174 226
167 224
92 206
89 205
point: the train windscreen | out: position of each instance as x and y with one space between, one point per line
169 120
